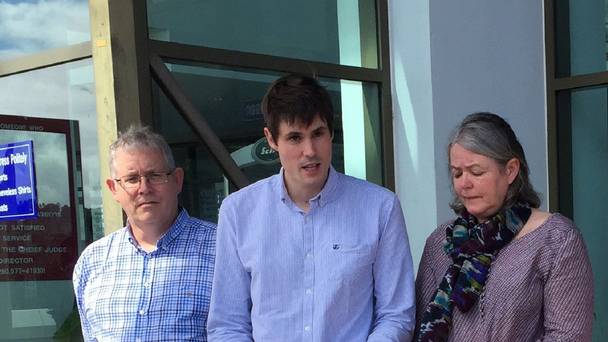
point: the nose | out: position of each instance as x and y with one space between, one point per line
308 148
465 181
144 186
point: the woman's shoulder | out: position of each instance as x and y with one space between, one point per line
555 234
561 230
435 241
439 233
555 224
543 223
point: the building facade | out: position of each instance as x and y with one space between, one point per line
401 74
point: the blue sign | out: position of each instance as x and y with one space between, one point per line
17 181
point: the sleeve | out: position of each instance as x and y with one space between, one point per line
393 282
79 279
230 309
425 284
568 293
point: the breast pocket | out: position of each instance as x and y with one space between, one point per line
350 262
195 300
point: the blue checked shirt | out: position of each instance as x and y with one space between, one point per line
341 272
127 294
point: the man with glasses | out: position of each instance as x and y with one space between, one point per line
151 280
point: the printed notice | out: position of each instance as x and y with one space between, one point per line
38 249
38 199
17 181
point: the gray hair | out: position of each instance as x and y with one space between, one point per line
141 137
491 136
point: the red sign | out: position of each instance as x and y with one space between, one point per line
44 248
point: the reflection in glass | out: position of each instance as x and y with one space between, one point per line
43 308
230 102
581 38
31 26
46 247
62 92
583 157
340 32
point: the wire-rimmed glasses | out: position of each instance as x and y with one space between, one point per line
131 182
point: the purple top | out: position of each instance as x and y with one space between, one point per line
540 287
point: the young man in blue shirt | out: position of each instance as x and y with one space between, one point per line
151 280
310 254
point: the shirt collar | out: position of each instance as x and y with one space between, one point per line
170 235
327 193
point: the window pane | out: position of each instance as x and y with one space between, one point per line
583 187
54 107
230 102
341 32
30 26
580 35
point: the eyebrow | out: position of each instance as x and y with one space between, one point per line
467 166
144 172
293 133
320 128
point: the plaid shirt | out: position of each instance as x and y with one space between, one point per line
127 294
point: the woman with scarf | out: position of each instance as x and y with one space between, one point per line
503 270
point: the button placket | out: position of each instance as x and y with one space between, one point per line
309 269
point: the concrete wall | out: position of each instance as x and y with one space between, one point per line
450 59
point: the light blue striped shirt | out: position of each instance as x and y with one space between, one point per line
341 272
127 294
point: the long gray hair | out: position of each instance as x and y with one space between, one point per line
141 137
491 136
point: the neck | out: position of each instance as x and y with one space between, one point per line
148 234
301 195
301 198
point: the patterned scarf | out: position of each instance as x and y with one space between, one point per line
472 247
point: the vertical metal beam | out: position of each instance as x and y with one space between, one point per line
199 125
563 138
552 134
386 106
128 26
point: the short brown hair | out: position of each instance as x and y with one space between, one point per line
296 98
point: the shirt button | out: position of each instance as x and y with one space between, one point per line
307 328
309 255
308 291
147 284
142 312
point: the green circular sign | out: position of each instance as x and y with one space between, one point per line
263 153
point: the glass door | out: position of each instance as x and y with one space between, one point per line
38 252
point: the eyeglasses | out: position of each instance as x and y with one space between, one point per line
131 182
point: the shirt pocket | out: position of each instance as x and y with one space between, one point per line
193 300
350 262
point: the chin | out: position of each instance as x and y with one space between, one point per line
475 212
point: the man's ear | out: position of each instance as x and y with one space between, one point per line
512 169
179 178
273 144
111 184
